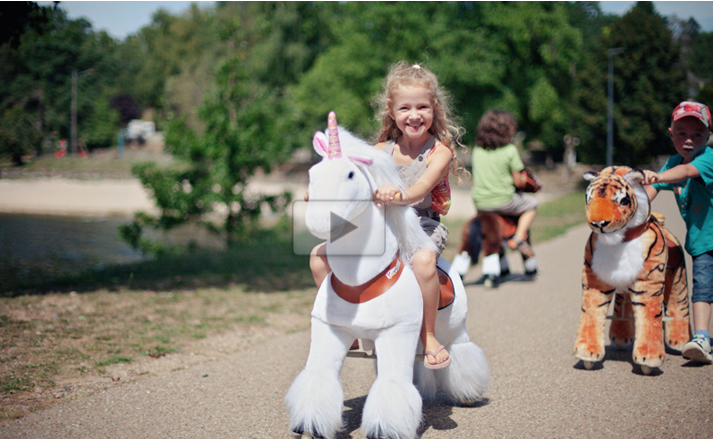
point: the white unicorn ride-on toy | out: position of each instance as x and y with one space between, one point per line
372 294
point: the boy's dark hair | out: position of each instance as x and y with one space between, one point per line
495 129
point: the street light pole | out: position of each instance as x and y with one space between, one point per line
610 113
73 128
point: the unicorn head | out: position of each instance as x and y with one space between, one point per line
343 184
339 184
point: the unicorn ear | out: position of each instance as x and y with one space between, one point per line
590 175
361 160
319 142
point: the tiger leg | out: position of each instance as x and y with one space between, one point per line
621 331
677 331
647 301
596 297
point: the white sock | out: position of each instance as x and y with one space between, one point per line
491 265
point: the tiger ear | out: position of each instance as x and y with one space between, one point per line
635 176
590 175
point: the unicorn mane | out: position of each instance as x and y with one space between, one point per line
402 220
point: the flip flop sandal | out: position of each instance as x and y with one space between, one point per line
441 365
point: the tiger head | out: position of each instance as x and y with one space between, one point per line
616 201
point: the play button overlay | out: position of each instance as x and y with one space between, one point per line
345 237
339 227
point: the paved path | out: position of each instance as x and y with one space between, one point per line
527 331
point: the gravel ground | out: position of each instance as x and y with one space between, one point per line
526 329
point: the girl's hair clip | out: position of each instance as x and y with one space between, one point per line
416 66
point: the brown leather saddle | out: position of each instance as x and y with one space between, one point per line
447 291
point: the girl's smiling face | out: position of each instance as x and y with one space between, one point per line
412 110
689 137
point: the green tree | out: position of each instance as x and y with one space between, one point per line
515 56
247 119
100 128
588 116
19 135
41 67
700 62
648 83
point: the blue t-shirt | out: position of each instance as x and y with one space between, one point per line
695 201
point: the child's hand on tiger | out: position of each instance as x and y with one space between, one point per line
651 177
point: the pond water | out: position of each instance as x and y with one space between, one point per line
35 247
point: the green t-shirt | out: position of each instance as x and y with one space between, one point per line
695 201
492 175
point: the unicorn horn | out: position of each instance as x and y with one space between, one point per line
334 149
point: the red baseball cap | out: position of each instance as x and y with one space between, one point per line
695 109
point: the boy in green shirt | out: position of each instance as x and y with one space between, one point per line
497 172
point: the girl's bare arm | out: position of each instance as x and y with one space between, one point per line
436 169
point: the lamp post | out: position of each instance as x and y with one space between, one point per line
73 128
610 115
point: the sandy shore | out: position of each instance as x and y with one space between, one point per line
61 196
58 196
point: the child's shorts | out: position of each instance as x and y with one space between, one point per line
436 231
518 204
703 278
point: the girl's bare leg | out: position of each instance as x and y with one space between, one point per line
424 266
318 263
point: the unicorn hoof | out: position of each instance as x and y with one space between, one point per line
306 435
646 370
589 365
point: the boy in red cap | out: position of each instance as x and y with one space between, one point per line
689 174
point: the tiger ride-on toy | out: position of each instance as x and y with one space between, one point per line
630 258
490 233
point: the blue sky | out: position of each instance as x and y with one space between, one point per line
121 18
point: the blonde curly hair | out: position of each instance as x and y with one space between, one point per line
444 127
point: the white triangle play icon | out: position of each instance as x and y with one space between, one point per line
339 227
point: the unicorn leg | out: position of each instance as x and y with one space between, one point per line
393 407
466 379
314 400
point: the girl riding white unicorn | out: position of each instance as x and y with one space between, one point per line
373 294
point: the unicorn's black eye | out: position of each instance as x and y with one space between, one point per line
351 175
625 201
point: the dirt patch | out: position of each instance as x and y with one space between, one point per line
61 346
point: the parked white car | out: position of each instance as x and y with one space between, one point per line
139 130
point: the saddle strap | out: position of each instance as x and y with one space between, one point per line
372 289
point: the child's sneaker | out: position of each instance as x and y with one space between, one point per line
490 281
698 349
